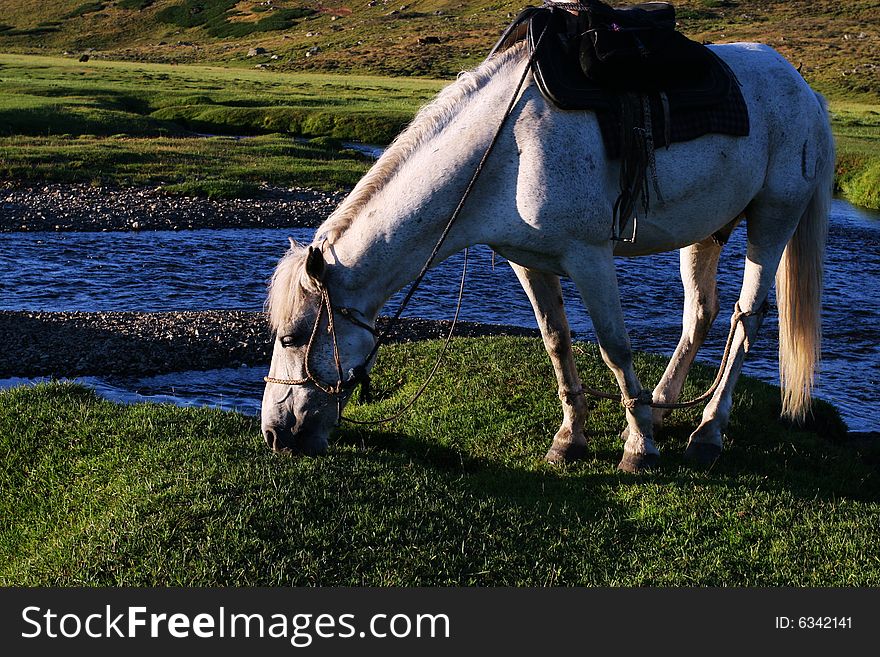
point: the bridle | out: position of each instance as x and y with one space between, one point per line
357 375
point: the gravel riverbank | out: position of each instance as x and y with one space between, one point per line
80 207
38 344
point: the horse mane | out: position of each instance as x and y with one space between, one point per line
286 280
429 120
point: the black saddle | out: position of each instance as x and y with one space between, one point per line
602 58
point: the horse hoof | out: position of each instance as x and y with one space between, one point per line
566 454
702 454
635 463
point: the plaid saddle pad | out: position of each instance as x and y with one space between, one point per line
700 96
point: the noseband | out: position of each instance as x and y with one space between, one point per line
356 376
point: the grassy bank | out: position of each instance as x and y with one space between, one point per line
455 493
857 131
127 123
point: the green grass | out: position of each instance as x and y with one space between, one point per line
215 18
454 493
125 123
87 8
134 4
857 130
181 165
836 42
230 101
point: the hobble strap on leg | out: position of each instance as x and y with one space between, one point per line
739 315
571 396
644 398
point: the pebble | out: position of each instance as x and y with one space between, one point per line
82 207
67 344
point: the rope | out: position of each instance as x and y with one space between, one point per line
645 397
455 213
446 230
359 373
403 409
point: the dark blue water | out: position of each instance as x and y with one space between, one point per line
228 269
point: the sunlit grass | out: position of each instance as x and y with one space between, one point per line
456 492
133 123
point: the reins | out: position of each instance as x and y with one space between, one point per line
403 409
359 374
455 213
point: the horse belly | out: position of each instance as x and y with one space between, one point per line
705 184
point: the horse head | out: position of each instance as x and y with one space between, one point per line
321 352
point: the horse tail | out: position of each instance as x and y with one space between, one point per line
799 284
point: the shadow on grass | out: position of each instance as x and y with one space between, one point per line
799 463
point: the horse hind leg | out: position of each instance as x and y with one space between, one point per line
545 294
769 227
699 270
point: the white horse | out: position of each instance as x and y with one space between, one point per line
544 201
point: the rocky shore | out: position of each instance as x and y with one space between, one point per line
81 207
67 344
47 344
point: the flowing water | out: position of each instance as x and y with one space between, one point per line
228 269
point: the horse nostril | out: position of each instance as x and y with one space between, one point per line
279 440
270 437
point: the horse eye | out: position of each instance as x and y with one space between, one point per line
294 340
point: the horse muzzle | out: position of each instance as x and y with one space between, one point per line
286 441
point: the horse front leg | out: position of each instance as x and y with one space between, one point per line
592 270
545 294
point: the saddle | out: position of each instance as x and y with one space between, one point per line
647 83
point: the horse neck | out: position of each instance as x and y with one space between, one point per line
393 236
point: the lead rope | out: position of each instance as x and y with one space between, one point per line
467 192
403 409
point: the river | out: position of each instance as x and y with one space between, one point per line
229 268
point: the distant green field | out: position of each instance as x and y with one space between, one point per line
455 493
834 42
857 130
125 123
130 123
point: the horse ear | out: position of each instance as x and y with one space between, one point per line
296 246
315 264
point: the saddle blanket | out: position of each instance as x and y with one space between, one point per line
696 94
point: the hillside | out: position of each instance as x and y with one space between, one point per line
837 44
